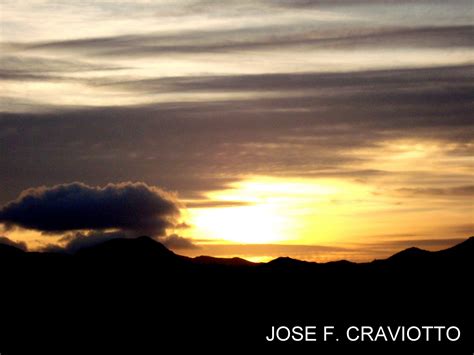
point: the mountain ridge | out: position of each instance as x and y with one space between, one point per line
139 290
147 247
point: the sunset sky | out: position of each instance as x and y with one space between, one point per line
316 129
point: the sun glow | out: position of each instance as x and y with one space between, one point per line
244 224
274 210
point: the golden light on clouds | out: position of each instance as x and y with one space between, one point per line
278 210
342 210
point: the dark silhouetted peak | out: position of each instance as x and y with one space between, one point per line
341 263
466 246
286 261
136 248
9 250
409 254
209 260
128 252
462 253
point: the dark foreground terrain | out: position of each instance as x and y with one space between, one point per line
137 297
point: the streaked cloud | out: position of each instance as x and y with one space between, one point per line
254 39
461 191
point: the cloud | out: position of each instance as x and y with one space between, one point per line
312 127
388 83
52 248
251 39
175 241
130 207
8 241
389 247
73 242
79 240
216 204
457 191
317 3
21 64
23 68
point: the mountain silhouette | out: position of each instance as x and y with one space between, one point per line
410 253
141 249
209 260
139 293
142 246
462 251
9 251
147 250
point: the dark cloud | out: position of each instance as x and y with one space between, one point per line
258 38
402 84
391 246
461 229
131 207
76 241
311 128
20 64
216 204
79 240
19 68
52 248
317 3
177 242
262 249
8 241
459 191
27 76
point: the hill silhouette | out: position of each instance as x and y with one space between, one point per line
8 251
147 250
136 292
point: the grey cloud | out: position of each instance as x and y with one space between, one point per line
423 97
18 67
312 3
461 229
200 42
22 105
131 207
392 246
52 248
459 191
17 76
177 242
79 240
18 63
410 80
311 127
216 204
